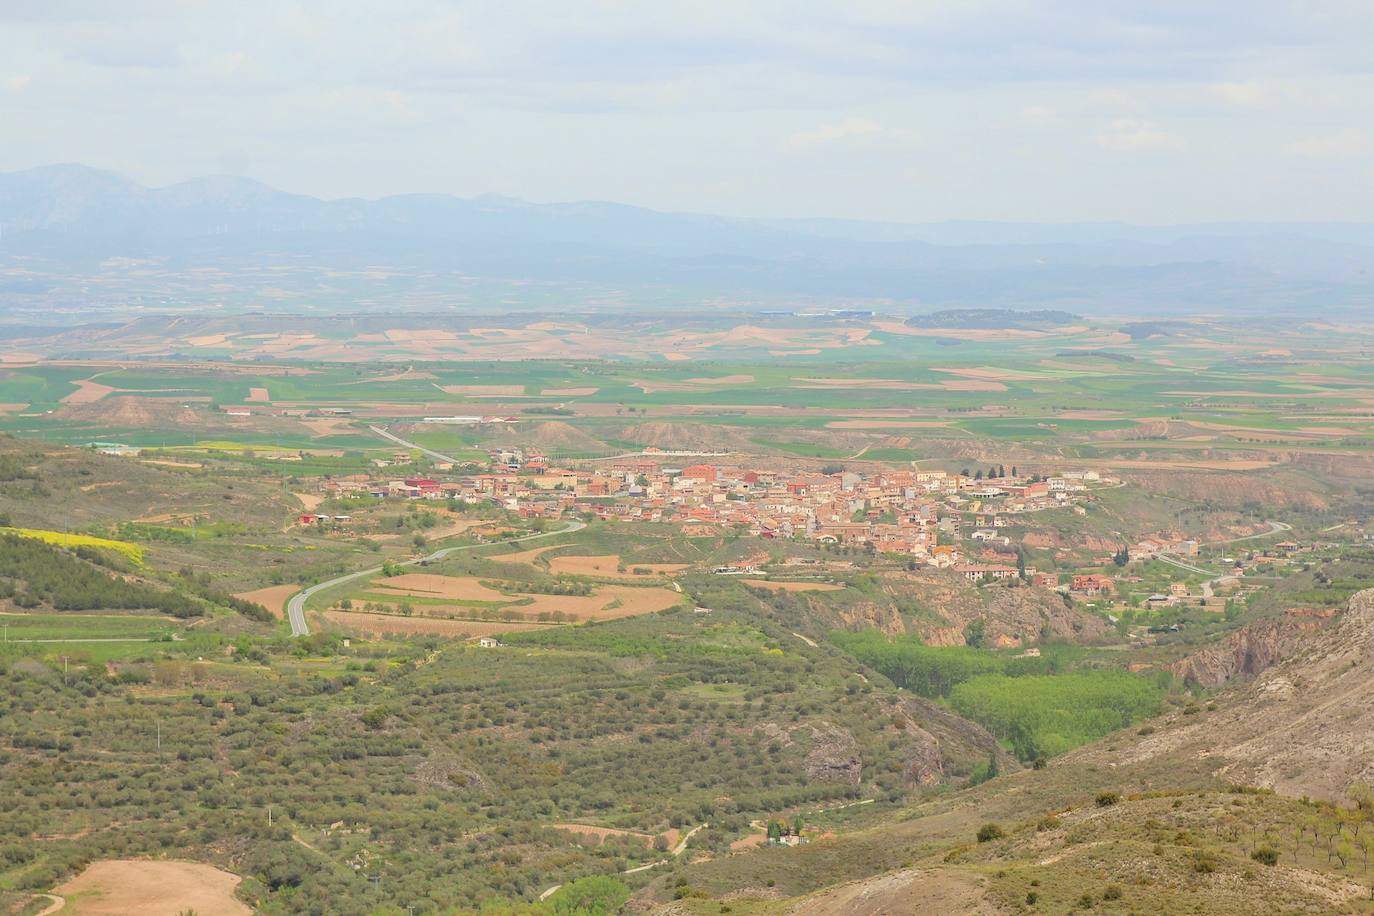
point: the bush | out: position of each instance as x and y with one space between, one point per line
1266 855
1204 861
989 832
1111 892
1107 799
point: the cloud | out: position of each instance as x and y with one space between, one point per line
1241 95
1350 143
17 82
1131 135
844 130
1039 115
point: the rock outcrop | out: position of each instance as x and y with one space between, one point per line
1251 650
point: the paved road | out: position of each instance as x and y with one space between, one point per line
1274 528
437 456
295 608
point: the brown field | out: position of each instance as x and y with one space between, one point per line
607 567
636 601
273 597
87 392
149 888
430 585
808 352
571 392
259 395
525 556
794 586
600 833
385 624
676 357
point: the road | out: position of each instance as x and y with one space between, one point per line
437 456
295 608
678 850
1274 528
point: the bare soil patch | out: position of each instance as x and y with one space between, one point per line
525 556
607 567
152 888
259 395
87 392
273 597
430 585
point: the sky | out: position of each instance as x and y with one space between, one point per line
1154 111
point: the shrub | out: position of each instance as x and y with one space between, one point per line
1086 901
1111 892
1266 855
1204 861
1032 897
989 832
1107 799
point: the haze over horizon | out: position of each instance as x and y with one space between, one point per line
999 110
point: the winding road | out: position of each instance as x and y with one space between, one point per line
295 608
1274 528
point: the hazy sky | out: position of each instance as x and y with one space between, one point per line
1151 111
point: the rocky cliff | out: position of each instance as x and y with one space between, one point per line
1252 650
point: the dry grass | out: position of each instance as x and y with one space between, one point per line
794 586
387 625
149 888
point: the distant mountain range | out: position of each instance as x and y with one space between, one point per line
71 235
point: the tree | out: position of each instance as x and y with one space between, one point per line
975 633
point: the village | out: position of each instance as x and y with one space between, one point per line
948 520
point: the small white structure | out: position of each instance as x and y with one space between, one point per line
488 642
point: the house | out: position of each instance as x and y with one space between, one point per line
981 573
1093 585
488 642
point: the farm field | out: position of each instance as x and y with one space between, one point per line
158 888
660 665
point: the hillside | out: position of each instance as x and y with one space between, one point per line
1304 726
